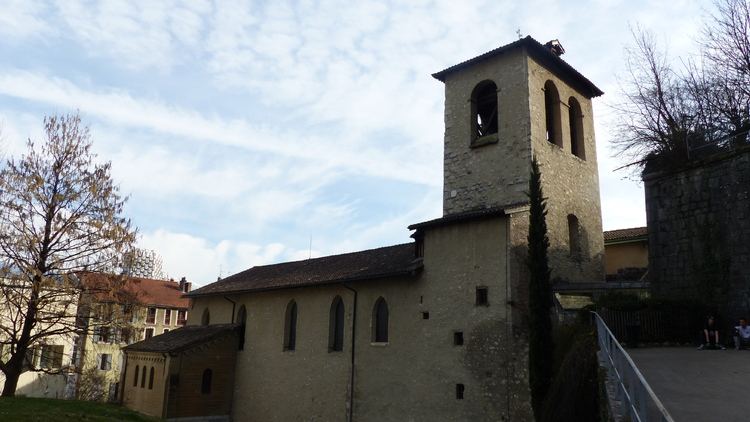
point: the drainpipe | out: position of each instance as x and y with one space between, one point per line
508 304
354 332
233 304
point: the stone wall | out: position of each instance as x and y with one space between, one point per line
698 222
496 174
416 374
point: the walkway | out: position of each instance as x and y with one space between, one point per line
698 385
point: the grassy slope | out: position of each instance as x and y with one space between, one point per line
25 409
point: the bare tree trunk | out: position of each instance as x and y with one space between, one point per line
12 371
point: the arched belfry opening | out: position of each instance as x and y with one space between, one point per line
574 236
552 114
575 119
484 110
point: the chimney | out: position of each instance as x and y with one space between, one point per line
188 286
183 280
555 47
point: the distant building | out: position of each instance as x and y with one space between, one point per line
435 329
89 363
145 263
626 254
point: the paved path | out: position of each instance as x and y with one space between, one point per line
698 385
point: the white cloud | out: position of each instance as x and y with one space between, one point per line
202 261
136 34
21 20
241 128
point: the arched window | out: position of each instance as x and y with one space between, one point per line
575 117
242 319
574 235
135 378
206 382
336 326
290 326
151 379
206 318
143 377
484 109
552 113
380 319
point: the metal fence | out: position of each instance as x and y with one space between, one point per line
706 143
654 326
637 401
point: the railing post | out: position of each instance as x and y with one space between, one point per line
642 406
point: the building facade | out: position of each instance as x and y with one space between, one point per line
434 329
626 252
86 362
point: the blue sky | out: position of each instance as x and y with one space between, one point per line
242 129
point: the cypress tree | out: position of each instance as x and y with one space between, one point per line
541 348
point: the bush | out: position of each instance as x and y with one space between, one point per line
574 393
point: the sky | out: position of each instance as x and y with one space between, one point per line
252 132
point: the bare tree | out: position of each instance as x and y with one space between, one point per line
657 113
60 218
725 50
669 111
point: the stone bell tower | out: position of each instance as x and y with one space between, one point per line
501 109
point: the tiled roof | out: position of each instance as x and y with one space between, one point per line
369 264
147 291
625 234
543 55
160 292
467 216
181 338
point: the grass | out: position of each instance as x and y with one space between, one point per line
25 409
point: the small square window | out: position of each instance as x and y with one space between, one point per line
459 391
425 315
482 296
458 338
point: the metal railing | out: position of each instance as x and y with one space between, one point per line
722 143
637 401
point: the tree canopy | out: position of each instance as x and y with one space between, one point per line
60 218
701 105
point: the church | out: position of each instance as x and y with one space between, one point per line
434 329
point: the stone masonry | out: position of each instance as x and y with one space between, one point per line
698 222
495 174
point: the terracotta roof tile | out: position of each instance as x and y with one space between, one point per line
625 234
369 264
147 291
181 338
